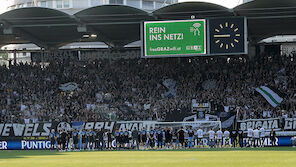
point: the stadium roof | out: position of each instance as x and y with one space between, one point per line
187 9
118 25
115 25
42 26
268 18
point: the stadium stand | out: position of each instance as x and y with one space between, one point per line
136 89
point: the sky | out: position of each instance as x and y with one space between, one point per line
226 3
3 5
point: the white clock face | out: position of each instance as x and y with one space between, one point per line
227 35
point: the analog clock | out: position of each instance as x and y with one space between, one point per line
227 35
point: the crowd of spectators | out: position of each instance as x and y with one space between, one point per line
133 89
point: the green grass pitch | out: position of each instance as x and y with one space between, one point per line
227 157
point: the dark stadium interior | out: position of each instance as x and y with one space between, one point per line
265 19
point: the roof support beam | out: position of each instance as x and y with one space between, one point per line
8 29
71 24
31 38
90 29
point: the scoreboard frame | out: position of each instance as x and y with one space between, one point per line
207 38
143 39
245 35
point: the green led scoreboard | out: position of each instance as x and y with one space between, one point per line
196 37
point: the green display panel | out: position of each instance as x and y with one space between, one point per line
174 38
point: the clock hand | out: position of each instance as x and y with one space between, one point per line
222 36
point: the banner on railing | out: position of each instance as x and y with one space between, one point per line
45 144
40 131
268 124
